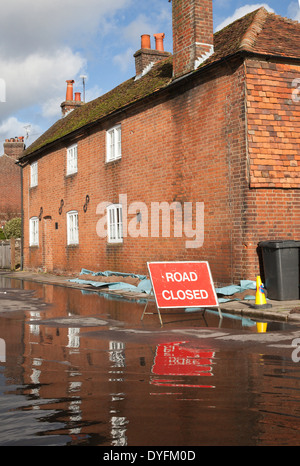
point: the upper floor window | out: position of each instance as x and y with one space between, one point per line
34 231
72 227
34 174
72 159
114 223
113 143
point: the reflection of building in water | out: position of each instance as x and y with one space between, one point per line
34 327
118 431
118 423
73 379
2 350
117 353
73 338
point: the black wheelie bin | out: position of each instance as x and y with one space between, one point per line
281 269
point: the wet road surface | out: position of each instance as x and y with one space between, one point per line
79 368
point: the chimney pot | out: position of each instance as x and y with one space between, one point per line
145 41
69 93
78 96
159 41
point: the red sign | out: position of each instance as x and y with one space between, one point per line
182 284
176 359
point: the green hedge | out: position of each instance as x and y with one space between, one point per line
13 228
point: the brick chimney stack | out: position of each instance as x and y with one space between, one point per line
146 57
192 34
70 104
14 147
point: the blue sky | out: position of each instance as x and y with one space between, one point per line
45 42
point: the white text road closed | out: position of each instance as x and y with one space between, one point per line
184 294
182 284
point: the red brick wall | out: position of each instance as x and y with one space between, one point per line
10 182
192 33
273 118
187 145
273 124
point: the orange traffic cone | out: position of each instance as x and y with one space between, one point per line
260 297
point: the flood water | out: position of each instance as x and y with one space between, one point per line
79 368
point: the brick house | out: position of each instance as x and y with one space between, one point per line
10 180
211 131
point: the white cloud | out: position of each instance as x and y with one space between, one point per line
38 78
44 24
294 10
15 128
124 60
242 11
141 25
38 43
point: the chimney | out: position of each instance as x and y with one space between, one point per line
70 104
146 57
14 147
192 34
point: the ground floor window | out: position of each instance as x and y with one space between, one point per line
114 223
72 227
34 231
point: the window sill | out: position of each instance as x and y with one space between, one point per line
113 160
69 175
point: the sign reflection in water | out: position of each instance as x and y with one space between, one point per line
176 359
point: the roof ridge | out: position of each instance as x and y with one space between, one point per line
253 31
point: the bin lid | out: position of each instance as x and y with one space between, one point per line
280 244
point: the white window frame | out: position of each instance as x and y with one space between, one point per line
113 143
114 223
33 174
72 227
34 231
72 159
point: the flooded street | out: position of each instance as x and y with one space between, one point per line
79 368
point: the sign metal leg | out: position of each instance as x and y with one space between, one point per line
220 313
158 311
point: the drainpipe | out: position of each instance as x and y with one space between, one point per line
22 217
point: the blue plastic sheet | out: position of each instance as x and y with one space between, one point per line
108 273
143 287
232 289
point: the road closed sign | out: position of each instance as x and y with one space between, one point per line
182 284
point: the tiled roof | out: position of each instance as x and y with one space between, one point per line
123 95
258 32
